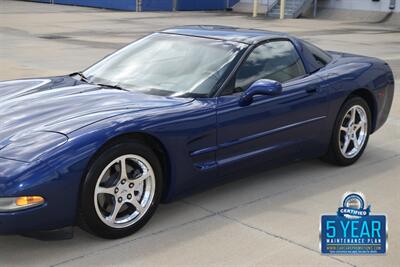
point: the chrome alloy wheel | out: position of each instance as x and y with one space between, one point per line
124 191
353 131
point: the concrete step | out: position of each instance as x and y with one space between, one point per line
289 6
278 11
286 8
292 8
278 15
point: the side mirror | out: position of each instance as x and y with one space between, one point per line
260 87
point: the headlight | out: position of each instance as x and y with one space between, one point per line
29 147
19 203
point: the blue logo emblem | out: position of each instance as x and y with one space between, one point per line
353 230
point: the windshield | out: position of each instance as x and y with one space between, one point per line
168 65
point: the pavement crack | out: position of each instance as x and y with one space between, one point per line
72 259
283 239
223 215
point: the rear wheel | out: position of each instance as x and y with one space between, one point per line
121 190
350 133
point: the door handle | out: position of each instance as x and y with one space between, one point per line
312 89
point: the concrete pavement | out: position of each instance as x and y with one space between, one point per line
271 218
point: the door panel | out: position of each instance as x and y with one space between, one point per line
271 127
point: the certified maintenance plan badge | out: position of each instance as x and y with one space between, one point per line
353 230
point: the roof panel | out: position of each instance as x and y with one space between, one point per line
247 36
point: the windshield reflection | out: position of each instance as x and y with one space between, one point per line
167 65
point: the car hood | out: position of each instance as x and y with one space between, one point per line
63 105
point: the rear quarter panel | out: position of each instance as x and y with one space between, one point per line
348 74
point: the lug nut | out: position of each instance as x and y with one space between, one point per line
120 199
131 185
123 181
116 190
129 196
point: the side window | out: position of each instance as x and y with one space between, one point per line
320 57
277 60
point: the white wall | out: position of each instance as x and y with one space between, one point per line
382 5
263 2
247 6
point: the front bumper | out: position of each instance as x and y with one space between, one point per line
24 221
36 179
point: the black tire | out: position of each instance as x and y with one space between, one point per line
334 154
88 217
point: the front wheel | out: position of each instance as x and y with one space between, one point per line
350 133
121 190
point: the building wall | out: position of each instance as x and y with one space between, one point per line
369 5
204 4
111 4
149 5
247 6
263 2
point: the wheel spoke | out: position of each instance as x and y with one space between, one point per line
137 205
360 125
344 129
353 115
346 144
123 170
142 178
355 142
105 190
114 214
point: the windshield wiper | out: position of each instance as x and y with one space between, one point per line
80 74
116 86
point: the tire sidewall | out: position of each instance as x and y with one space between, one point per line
87 207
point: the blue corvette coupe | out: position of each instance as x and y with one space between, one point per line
174 112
